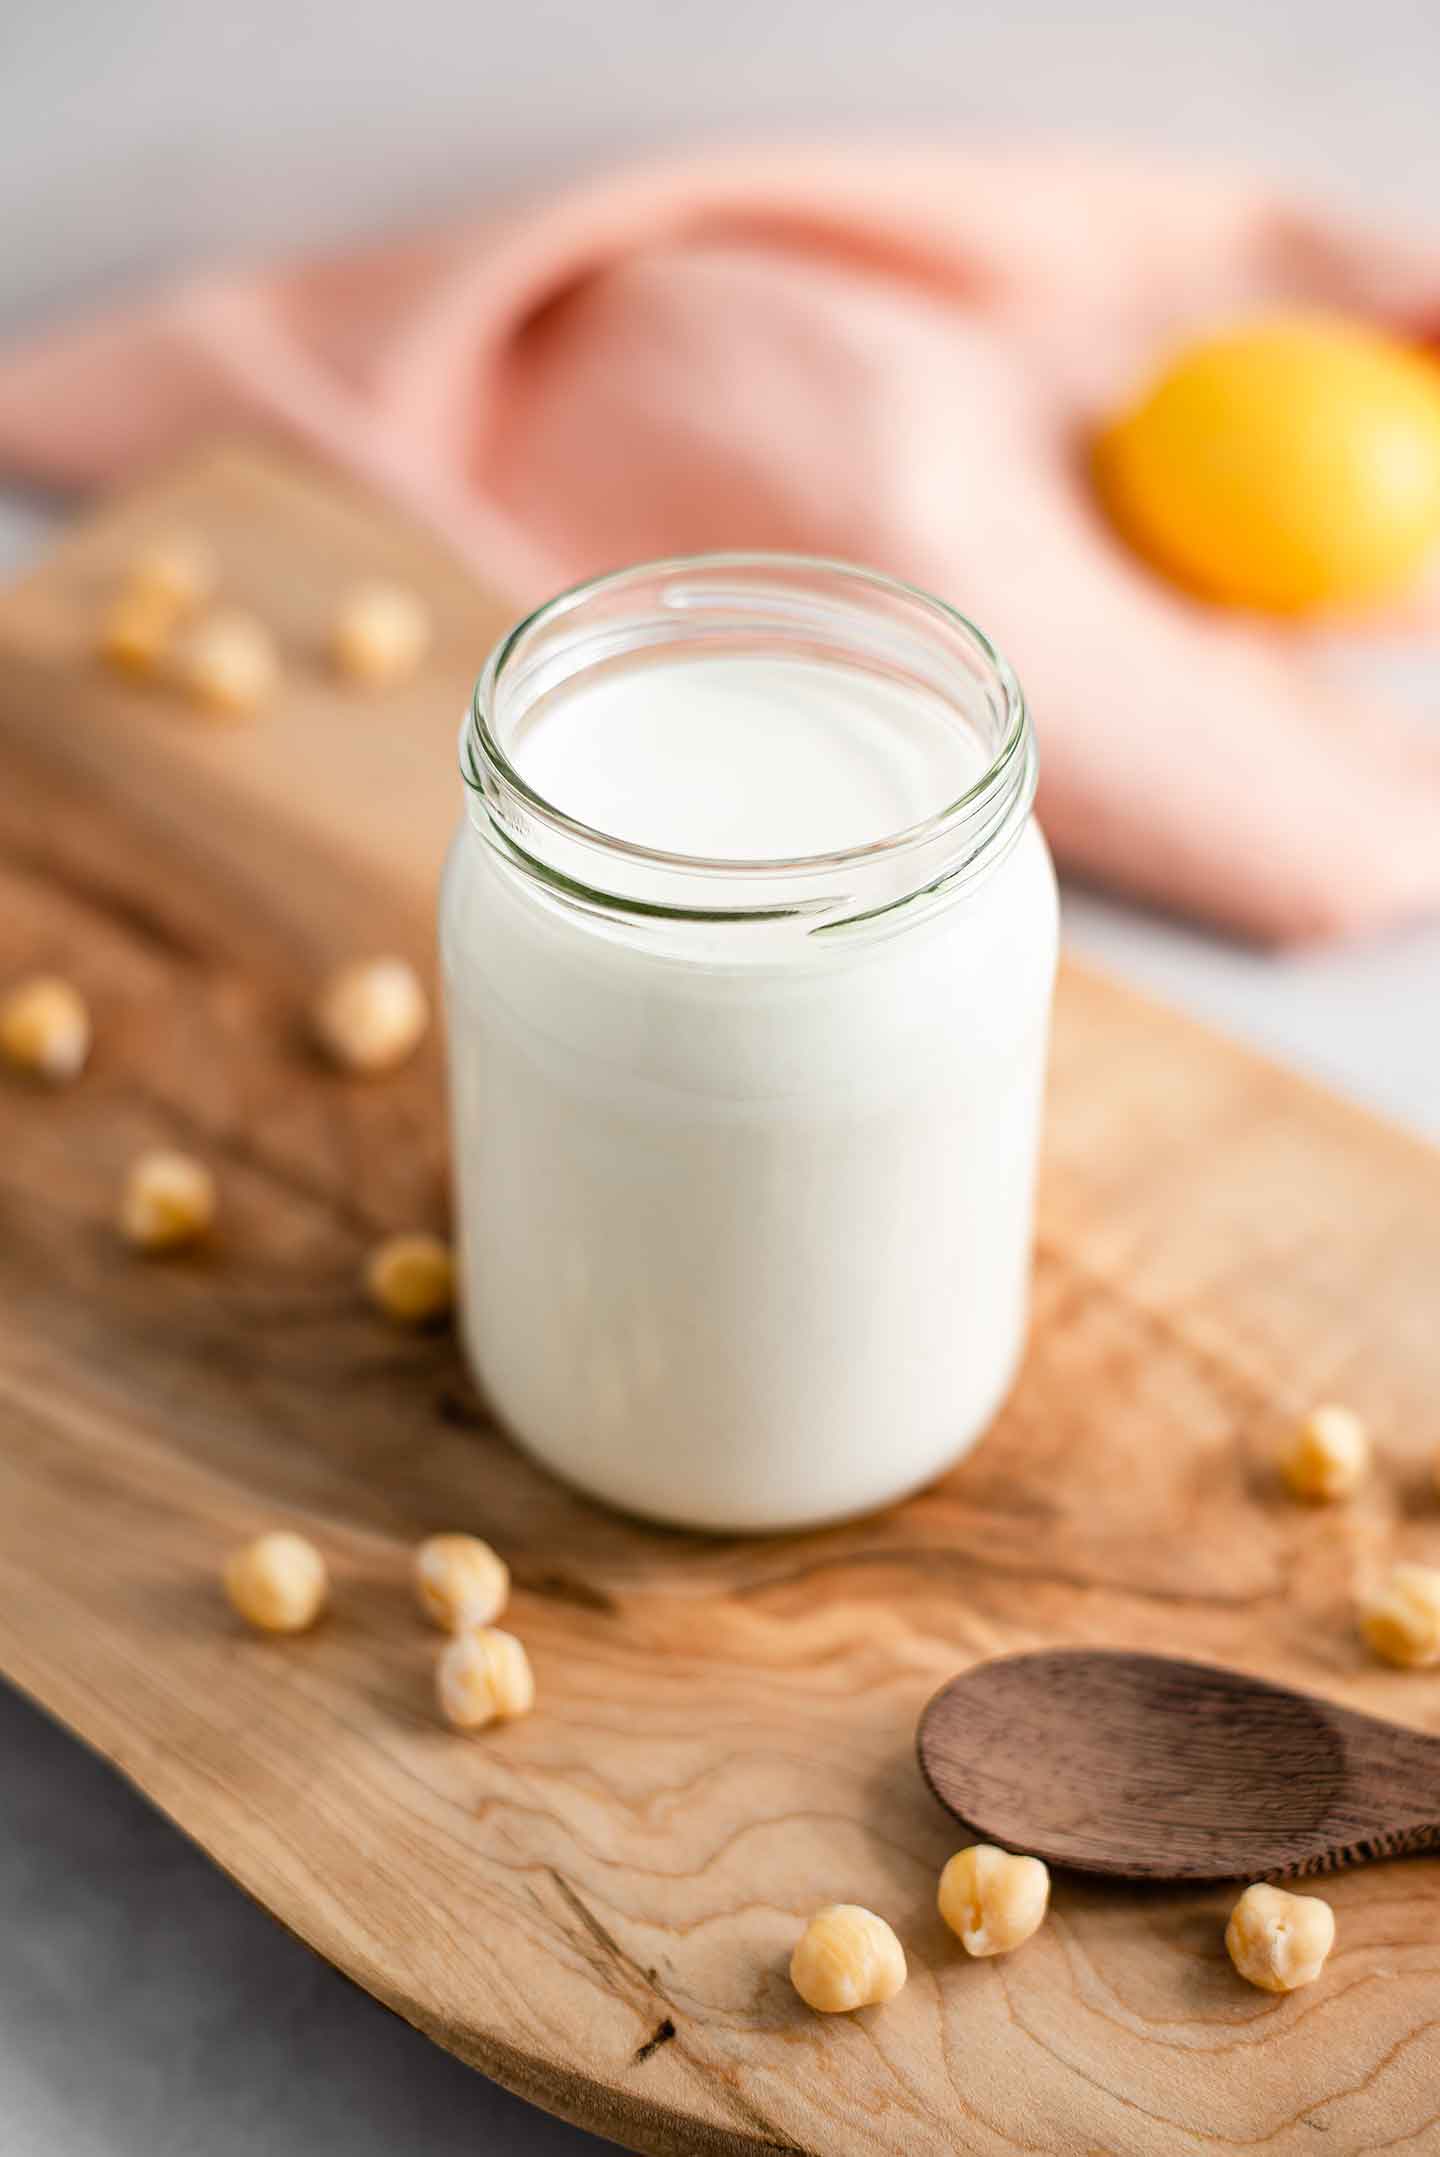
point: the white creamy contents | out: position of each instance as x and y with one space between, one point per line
745 1224
744 758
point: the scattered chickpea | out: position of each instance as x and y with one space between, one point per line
411 1278
461 1582
380 635
227 661
1279 1941
177 571
136 633
992 1900
371 1014
169 1200
1327 1456
1401 1618
45 1028
484 1676
847 1957
278 1583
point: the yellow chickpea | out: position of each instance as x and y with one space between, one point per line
278 1583
227 661
1279 1941
137 631
991 1900
175 570
411 1278
1401 1618
166 581
169 1200
371 1014
45 1028
847 1957
1327 1456
483 1676
380 635
460 1581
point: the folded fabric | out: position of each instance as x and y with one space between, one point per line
889 356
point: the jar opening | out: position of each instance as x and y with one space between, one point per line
901 715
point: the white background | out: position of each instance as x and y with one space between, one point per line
145 2008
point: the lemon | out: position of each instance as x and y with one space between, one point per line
1290 466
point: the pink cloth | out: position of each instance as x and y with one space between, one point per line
890 356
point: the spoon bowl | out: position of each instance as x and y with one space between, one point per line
1145 1767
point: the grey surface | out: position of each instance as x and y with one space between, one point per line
148 2009
145 2006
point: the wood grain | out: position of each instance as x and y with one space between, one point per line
596 1905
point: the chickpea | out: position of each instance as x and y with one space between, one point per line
380 635
1279 1941
482 1677
137 630
461 1582
411 1278
1401 1619
227 661
177 571
169 1200
1327 1456
45 1028
847 1957
278 1583
372 1013
991 1900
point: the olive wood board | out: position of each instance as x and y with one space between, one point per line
596 1905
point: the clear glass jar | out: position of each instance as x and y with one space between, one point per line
745 1148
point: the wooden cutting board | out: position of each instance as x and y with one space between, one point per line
596 1905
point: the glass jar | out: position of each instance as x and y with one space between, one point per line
745 1146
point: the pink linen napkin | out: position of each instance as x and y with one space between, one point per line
887 355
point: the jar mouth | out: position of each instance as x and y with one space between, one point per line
767 599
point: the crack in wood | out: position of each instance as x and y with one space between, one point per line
661 2035
716 2075
599 1934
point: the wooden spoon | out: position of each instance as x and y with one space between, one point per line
1148 1768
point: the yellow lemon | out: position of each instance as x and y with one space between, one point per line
1290 466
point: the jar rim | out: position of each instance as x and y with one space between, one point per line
994 804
